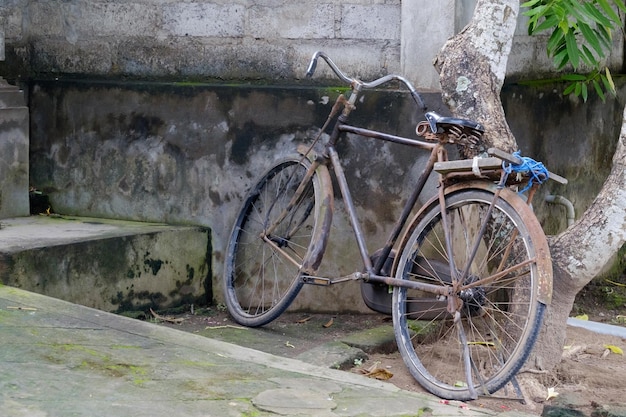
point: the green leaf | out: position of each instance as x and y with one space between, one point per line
569 89
588 57
576 9
591 38
584 91
537 13
596 15
572 49
574 77
555 42
530 3
548 23
608 10
605 37
561 59
599 92
620 5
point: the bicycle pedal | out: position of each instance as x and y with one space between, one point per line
324 282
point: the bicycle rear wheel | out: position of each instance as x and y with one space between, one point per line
273 242
497 281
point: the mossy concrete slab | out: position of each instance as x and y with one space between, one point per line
111 265
336 355
105 365
380 339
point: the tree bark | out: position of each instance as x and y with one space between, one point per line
472 68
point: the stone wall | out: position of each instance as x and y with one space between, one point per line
270 40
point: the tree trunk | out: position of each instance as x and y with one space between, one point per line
582 251
472 68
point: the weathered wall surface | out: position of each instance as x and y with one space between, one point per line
188 153
13 152
240 39
245 39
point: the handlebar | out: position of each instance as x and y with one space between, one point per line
355 82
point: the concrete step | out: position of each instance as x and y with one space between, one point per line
112 265
10 95
11 98
14 137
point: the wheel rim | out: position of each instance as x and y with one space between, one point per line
497 320
261 277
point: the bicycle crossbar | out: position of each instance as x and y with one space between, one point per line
385 136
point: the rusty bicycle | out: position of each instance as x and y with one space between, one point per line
470 273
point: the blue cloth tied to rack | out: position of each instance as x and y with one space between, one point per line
536 171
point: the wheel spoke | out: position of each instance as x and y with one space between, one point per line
271 241
495 304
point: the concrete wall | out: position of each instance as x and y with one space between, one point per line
13 148
187 154
244 39
240 39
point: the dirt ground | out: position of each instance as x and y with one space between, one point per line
586 380
589 377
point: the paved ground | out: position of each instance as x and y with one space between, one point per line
62 359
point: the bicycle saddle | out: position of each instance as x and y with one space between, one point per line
436 121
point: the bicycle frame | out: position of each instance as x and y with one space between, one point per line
372 272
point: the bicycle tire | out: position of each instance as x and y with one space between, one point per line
498 322
261 279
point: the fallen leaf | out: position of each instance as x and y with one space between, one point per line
329 323
582 317
376 372
226 326
614 349
571 351
551 393
619 284
289 345
304 320
166 319
379 373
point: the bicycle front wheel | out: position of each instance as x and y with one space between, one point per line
279 234
474 339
